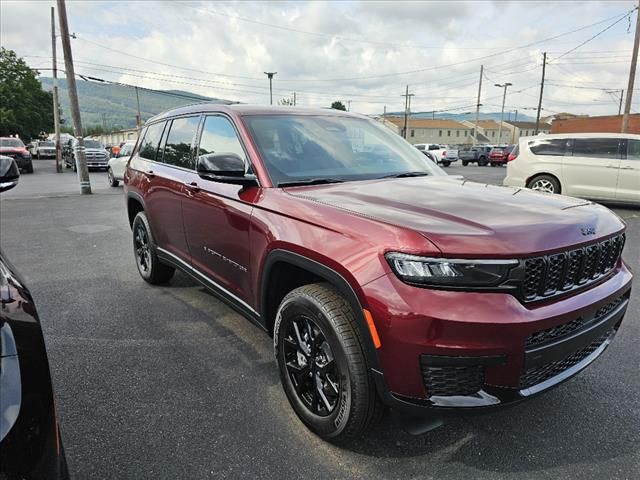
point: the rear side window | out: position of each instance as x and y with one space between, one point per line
548 146
177 150
596 147
633 150
434 147
149 147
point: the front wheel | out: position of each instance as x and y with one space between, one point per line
464 164
322 365
150 267
111 179
544 183
446 163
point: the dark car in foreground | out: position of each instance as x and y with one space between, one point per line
14 148
382 280
30 445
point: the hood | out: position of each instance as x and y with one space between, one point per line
20 150
471 219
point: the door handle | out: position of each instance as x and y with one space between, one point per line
150 173
192 187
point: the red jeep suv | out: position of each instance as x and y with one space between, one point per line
382 280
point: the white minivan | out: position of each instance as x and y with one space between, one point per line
597 166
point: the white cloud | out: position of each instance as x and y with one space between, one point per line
369 39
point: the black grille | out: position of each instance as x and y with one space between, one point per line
554 274
452 380
559 331
536 375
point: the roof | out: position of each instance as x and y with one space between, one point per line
488 124
244 109
531 125
585 135
426 123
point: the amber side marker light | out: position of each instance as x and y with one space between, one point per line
372 328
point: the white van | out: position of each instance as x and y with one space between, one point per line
598 166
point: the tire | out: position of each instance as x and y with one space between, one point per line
346 403
464 164
544 183
29 168
150 268
74 165
446 163
111 179
493 164
482 161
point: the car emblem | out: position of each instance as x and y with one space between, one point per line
588 231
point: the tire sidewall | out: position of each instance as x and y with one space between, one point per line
335 423
141 221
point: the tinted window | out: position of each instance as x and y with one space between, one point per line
596 147
177 150
46 144
219 136
92 144
548 146
434 147
11 142
149 146
420 147
633 149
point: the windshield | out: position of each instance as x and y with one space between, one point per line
46 144
92 144
301 147
11 142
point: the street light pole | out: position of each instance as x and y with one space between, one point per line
56 104
504 97
270 75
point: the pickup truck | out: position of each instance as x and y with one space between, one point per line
479 154
443 154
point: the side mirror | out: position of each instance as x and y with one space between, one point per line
9 173
225 167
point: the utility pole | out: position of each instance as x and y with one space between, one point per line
504 97
81 161
138 117
270 76
294 99
513 132
544 64
56 103
475 129
620 104
632 75
348 105
407 105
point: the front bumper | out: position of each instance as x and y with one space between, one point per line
450 351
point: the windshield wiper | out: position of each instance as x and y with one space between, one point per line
407 174
309 181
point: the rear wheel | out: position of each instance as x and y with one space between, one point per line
544 183
150 267
29 168
482 161
464 164
111 179
322 365
446 163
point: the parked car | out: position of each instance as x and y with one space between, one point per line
444 155
30 443
44 149
478 153
499 155
97 156
117 164
382 279
596 166
14 148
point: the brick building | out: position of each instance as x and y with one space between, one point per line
608 124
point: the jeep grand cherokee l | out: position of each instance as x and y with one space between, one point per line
381 279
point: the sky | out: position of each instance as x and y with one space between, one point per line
362 53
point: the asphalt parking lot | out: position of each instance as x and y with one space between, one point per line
168 382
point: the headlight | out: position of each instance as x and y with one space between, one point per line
449 272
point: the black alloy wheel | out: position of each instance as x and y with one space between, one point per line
311 366
142 249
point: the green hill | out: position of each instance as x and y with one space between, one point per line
114 106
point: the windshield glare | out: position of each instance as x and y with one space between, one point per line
297 147
92 144
11 142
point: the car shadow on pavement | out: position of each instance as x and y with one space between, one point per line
557 429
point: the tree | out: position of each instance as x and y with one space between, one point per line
338 105
286 101
25 109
